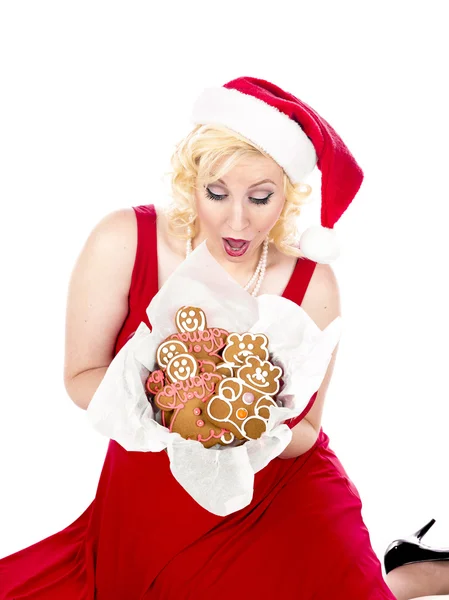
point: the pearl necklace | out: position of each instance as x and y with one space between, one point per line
259 273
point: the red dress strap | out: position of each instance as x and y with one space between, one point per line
295 291
144 278
299 281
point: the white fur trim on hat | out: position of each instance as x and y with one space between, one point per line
319 244
273 131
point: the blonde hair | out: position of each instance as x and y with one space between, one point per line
193 164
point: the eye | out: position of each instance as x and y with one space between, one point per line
212 196
256 201
262 200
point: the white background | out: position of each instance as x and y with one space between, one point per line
95 96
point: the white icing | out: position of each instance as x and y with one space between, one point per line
265 378
186 323
229 395
239 346
168 350
181 367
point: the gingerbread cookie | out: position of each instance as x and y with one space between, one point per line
181 367
166 416
226 369
206 344
185 402
192 423
242 403
206 366
213 386
168 350
260 375
155 382
237 408
239 346
175 394
190 318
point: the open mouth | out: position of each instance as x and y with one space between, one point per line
235 247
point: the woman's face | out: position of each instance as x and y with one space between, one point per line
234 214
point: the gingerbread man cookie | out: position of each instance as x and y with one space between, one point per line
181 367
190 318
155 382
206 344
168 350
192 423
205 366
185 402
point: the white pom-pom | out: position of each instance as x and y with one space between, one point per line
319 244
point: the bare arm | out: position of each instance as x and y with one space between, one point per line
97 303
83 386
322 304
304 436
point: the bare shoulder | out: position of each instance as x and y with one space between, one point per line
97 300
111 245
117 224
322 298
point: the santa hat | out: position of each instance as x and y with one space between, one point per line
297 138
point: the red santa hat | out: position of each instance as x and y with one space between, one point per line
297 138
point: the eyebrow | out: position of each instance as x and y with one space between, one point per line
254 184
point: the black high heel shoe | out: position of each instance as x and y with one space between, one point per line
411 550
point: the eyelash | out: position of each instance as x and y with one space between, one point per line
256 201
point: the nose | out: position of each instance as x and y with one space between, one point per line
237 218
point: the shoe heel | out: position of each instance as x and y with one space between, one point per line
422 532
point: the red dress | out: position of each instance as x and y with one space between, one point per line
144 538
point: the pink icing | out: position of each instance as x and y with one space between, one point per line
248 398
211 340
212 434
200 423
175 395
156 377
197 411
163 419
202 364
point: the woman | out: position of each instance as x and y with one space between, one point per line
143 536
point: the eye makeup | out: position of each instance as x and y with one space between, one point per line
219 197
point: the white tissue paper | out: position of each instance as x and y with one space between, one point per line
220 478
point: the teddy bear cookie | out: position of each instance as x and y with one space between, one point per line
239 346
242 403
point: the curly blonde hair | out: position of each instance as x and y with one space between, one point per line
194 165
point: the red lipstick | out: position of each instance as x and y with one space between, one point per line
235 247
